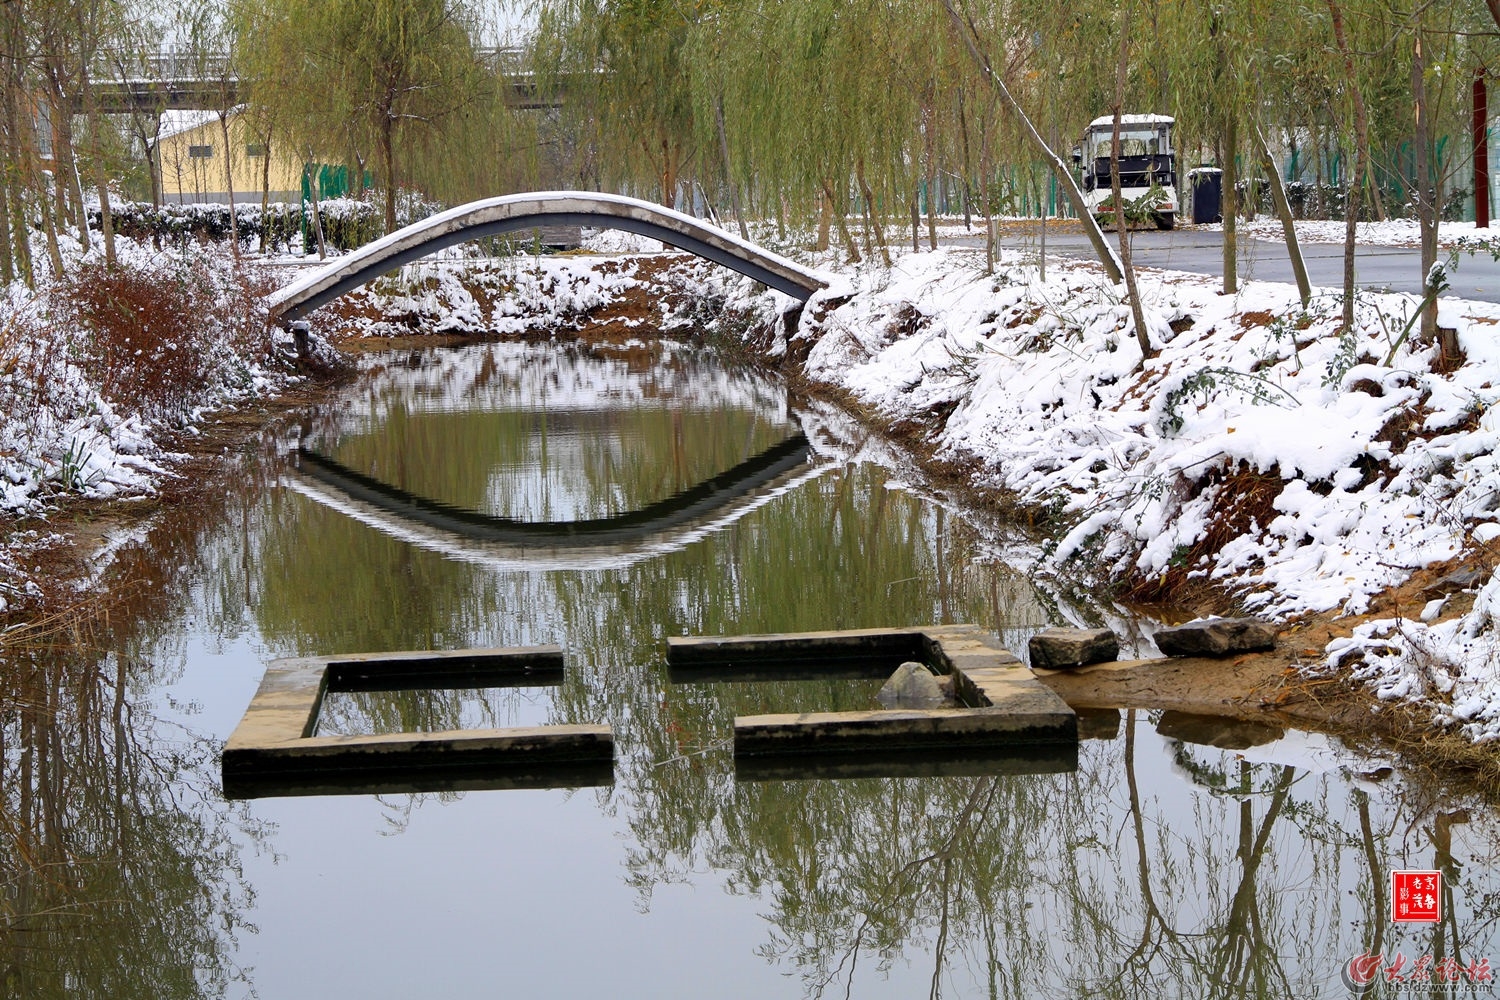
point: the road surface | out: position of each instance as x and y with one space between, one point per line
1200 250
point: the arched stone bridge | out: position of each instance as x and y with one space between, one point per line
493 216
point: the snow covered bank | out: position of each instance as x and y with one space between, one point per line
1300 467
100 369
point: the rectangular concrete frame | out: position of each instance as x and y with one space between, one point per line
273 751
1011 707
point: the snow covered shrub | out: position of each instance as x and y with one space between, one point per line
153 338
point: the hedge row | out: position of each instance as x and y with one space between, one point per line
347 223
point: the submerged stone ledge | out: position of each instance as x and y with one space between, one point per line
1004 705
274 750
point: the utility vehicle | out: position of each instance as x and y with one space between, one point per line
1148 169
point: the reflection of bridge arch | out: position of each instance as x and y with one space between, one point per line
595 543
493 216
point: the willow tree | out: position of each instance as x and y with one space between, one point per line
628 87
1443 45
375 74
968 31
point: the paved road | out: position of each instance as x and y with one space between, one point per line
1200 251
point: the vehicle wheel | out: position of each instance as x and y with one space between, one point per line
1165 220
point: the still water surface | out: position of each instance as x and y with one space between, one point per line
1161 867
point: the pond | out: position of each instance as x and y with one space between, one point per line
1179 858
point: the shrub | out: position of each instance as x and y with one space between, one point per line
348 223
156 339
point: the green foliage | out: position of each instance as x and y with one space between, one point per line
361 81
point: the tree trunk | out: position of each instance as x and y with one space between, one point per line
668 178
871 217
388 165
734 191
153 169
234 225
313 188
970 36
1284 212
1425 194
1481 137
984 197
17 236
101 176
1372 191
66 186
7 260
916 216
838 218
825 221
1122 72
265 186
31 159
929 165
1230 141
963 135
1361 154
357 188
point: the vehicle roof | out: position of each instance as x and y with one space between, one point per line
1108 121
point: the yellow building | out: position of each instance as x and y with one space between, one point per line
191 153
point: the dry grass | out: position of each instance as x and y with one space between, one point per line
148 337
1246 502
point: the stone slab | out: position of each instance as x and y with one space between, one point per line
1216 637
1063 648
274 743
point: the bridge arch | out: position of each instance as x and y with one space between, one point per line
493 216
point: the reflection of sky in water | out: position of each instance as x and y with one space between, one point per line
678 882
362 713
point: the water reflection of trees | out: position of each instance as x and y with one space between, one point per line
118 865
1128 878
119 862
1156 869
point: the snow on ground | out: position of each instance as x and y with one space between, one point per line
1344 461
65 433
1379 466
1391 233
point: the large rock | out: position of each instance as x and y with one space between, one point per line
1216 637
912 686
1066 648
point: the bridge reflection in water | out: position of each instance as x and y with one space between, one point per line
609 542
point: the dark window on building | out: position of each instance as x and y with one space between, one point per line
200 152
254 150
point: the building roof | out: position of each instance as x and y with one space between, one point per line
178 122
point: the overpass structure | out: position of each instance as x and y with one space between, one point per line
174 80
493 216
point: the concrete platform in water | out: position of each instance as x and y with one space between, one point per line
1006 713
